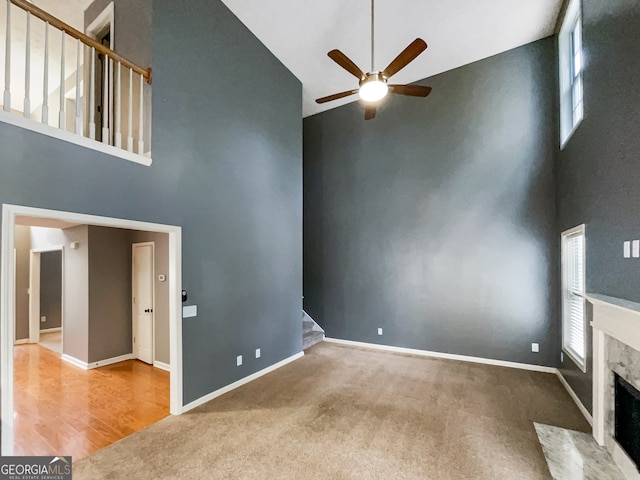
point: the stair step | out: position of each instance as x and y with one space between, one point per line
307 326
311 338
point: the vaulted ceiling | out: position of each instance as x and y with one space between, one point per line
458 32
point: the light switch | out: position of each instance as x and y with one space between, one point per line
627 249
635 249
189 311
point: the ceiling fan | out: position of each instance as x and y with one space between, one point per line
373 85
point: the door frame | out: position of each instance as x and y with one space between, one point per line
134 322
7 302
34 290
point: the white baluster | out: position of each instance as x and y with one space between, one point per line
92 96
62 118
141 119
105 101
118 113
112 83
79 51
45 86
27 70
130 117
7 62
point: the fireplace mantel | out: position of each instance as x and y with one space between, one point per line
617 318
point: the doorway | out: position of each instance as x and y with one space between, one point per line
46 298
7 301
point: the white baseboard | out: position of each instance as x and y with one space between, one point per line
22 341
101 363
75 361
575 398
162 365
239 383
51 330
447 356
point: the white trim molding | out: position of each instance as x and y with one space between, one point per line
101 363
447 356
162 365
21 341
74 138
51 330
243 381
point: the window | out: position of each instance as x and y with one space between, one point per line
573 322
571 67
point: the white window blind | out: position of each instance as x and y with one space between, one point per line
573 332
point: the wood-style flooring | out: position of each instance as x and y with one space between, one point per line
61 409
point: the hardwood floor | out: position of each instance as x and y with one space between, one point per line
61 409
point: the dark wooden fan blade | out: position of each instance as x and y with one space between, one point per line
411 90
369 112
336 96
346 63
414 49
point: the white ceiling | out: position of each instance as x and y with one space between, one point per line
43 222
458 32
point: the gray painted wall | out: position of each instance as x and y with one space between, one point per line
228 148
51 289
436 220
75 338
598 170
22 244
227 167
161 291
110 327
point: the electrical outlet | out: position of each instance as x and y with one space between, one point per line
258 353
535 347
626 249
379 331
635 249
43 319
238 360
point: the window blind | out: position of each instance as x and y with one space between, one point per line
574 330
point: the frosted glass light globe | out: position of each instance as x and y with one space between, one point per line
373 90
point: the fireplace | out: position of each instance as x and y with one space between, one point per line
627 418
616 380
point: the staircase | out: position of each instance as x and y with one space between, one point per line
311 332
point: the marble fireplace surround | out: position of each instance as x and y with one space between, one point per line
616 348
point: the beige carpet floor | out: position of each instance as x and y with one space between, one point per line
347 413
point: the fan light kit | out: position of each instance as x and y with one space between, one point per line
373 88
373 85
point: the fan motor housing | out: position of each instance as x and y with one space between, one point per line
373 77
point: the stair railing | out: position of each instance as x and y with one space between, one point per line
111 91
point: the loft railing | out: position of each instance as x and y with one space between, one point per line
103 117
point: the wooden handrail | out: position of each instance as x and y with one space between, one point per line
72 32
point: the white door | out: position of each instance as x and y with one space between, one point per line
142 279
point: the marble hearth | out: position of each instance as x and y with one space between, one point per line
616 348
